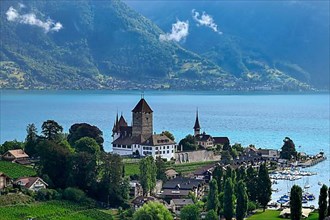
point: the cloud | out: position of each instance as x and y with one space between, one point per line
31 19
179 32
205 20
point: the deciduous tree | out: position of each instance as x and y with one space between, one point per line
188 143
189 212
288 149
211 215
169 135
148 173
160 164
152 211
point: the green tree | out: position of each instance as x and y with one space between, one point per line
264 186
80 130
11 145
211 215
241 174
328 202
87 144
288 149
189 143
152 211
31 140
228 199
295 202
161 167
242 201
226 157
213 197
51 129
251 183
189 212
169 135
323 202
218 176
148 173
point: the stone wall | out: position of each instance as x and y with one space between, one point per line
195 156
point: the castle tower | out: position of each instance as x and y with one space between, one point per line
142 119
197 127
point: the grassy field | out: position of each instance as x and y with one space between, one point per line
15 170
132 168
273 215
59 210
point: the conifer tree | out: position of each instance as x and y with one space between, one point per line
323 202
264 186
148 172
228 199
242 201
296 202
213 196
328 202
251 184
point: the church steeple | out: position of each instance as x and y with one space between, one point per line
197 127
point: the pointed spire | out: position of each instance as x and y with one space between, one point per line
197 126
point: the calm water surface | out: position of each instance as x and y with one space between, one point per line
262 120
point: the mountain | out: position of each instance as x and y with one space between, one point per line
92 44
260 38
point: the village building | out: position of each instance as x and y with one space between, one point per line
171 174
31 183
139 139
141 200
17 155
177 204
269 154
4 180
205 140
135 189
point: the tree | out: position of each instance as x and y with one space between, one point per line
213 197
251 183
188 143
329 202
264 186
218 176
51 129
189 212
228 199
152 211
80 130
242 201
288 149
211 215
169 135
31 140
296 202
323 202
226 157
87 144
11 145
160 164
148 173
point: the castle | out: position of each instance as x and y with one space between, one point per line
139 139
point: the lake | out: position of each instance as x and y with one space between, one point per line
260 119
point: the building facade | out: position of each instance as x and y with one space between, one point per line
139 138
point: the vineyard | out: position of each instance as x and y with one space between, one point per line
59 210
15 170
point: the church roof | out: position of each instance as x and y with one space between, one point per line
142 106
122 122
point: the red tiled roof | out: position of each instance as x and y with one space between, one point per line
18 153
142 106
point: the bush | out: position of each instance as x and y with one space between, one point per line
47 194
77 195
251 206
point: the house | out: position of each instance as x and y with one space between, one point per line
269 154
205 173
135 189
171 174
31 183
180 187
177 204
15 155
140 201
139 139
205 140
4 180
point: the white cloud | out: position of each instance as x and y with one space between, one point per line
179 32
205 20
31 19
21 5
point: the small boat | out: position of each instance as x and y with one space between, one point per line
320 184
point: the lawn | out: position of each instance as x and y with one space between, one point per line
132 168
62 210
15 170
273 215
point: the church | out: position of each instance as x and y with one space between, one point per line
139 138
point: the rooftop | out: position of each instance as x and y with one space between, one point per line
142 106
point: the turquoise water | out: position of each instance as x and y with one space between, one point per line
262 120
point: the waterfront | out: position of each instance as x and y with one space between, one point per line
263 120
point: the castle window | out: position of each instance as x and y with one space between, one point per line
156 148
168 147
168 151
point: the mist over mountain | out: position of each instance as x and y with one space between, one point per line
289 36
108 44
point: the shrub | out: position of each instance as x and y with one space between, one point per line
251 206
77 195
47 194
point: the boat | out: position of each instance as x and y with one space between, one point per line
320 184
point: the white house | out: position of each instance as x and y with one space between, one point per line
31 183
